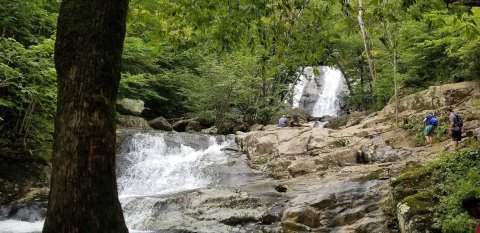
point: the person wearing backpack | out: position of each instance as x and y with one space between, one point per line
455 127
430 123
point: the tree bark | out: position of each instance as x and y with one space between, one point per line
363 31
83 195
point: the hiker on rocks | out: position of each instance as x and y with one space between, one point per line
283 121
455 127
471 204
430 123
295 122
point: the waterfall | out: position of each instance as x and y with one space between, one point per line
152 165
321 95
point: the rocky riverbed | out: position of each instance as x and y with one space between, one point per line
292 179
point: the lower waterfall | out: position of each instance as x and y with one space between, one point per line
152 165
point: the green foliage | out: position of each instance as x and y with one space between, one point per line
29 22
444 182
342 142
415 127
232 62
261 160
27 103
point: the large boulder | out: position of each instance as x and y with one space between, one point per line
211 130
346 120
132 122
131 107
434 97
194 125
414 213
22 177
301 167
242 127
189 125
336 205
160 123
203 210
180 125
300 219
256 127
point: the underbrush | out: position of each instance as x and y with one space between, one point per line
416 127
435 190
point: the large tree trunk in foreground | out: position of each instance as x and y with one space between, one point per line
83 195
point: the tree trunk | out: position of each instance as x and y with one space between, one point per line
363 31
395 85
83 194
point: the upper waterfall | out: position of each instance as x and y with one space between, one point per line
322 94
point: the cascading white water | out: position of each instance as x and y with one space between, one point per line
328 103
321 94
154 164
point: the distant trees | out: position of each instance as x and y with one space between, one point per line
175 52
27 75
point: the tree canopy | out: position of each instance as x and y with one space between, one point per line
235 61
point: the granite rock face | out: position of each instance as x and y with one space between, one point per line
130 107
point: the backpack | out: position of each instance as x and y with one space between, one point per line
433 121
458 120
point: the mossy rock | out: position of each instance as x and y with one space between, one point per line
17 176
415 213
420 204
375 175
410 183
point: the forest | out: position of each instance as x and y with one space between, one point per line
235 61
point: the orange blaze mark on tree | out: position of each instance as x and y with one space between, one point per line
93 150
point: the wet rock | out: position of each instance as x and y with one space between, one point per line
132 122
180 125
161 124
336 206
300 218
194 126
205 210
29 211
211 130
130 107
281 188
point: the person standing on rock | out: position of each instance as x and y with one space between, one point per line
455 127
283 121
471 204
430 123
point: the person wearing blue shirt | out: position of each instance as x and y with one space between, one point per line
283 121
430 123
